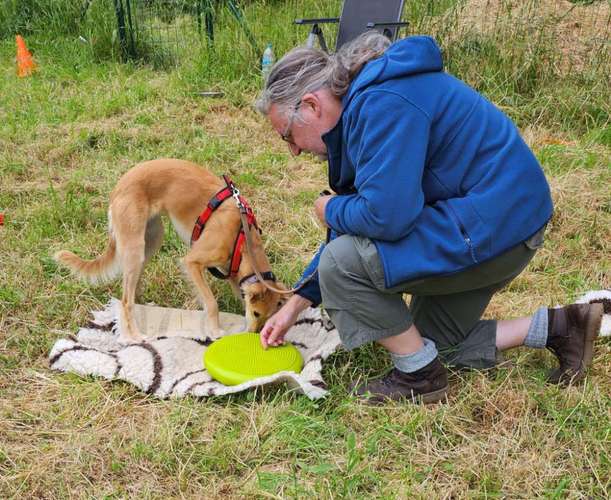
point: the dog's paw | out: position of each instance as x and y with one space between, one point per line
216 333
125 340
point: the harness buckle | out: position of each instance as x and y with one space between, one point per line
238 200
235 193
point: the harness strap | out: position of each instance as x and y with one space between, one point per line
212 205
240 241
217 273
236 258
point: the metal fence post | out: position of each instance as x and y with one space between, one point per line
121 28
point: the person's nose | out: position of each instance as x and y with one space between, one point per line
295 150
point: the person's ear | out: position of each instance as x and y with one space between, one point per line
312 104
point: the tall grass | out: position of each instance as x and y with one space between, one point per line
543 61
56 18
53 21
540 60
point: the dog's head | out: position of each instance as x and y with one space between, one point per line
260 303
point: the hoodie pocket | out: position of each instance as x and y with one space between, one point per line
468 241
470 226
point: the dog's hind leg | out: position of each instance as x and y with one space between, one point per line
130 230
153 237
132 263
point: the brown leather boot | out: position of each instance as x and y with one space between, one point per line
427 385
571 333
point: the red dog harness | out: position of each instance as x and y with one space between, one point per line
228 191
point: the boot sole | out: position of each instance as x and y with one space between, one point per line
431 397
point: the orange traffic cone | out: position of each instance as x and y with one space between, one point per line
25 62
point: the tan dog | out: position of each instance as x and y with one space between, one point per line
181 190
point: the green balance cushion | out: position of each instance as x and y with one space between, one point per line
239 358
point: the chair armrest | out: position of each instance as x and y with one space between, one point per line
317 21
388 25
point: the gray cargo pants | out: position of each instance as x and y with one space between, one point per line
446 309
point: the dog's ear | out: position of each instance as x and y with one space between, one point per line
255 292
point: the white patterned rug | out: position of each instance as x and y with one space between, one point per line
170 362
602 297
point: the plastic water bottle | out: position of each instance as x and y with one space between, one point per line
267 61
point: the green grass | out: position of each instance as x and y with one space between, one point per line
69 132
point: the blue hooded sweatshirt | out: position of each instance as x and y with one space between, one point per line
428 169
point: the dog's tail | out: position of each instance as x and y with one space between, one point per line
103 268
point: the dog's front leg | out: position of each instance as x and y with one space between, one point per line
194 270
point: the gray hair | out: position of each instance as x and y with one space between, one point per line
304 70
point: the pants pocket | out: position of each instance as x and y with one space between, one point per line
371 260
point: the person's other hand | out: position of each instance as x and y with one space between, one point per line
274 330
319 207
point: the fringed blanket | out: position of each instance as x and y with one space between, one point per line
170 362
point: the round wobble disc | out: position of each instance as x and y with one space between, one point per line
238 358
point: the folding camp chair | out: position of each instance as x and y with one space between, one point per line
357 17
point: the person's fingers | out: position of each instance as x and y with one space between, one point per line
280 338
265 333
277 335
273 336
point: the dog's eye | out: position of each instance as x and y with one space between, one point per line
280 304
256 314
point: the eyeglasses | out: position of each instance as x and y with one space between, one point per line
287 136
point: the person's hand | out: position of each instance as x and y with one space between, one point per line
274 330
319 207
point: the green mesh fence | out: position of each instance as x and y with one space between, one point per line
163 31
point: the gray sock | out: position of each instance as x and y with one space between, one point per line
537 332
409 363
